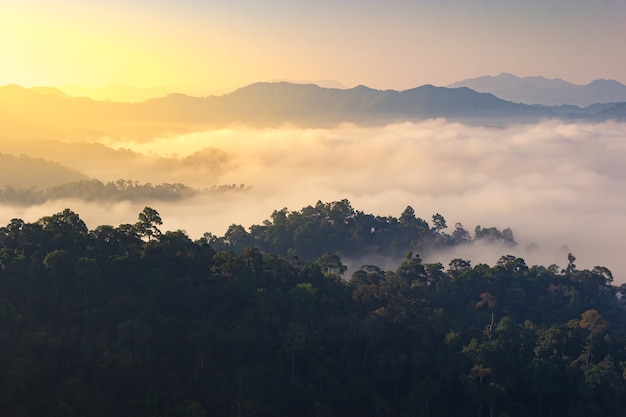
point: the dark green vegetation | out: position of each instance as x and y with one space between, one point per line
94 190
130 321
339 229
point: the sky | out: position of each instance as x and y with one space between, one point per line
215 46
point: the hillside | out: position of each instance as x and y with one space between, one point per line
549 92
25 172
132 321
29 113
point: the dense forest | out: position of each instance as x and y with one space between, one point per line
133 321
339 229
95 190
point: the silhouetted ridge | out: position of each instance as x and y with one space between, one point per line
270 104
305 101
551 92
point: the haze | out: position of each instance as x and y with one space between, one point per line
208 47
557 185
554 183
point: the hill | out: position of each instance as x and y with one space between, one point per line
24 172
549 92
31 114
132 321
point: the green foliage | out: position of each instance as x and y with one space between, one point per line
132 321
338 228
94 190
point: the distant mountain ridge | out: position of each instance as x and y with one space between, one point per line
310 103
22 171
117 93
265 105
549 92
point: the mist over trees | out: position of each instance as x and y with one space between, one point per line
95 190
548 181
336 227
137 321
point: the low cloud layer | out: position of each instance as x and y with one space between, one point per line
559 186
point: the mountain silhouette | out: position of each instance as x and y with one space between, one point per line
23 172
550 92
37 115
311 101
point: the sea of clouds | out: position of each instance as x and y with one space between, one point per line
560 186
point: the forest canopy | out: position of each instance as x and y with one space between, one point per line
136 321
95 190
336 227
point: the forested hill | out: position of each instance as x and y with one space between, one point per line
133 321
338 228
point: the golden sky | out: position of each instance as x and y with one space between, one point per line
213 46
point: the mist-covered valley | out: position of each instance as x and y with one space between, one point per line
190 228
556 184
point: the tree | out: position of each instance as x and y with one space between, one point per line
331 264
439 223
593 322
412 269
460 235
604 274
571 266
64 230
457 266
149 219
487 299
58 260
237 238
492 235
408 216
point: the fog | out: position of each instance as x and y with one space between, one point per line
559 186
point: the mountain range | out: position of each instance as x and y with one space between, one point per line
42 112
23 172
550 92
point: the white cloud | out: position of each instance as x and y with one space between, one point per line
553 183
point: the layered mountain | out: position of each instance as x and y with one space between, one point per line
23 172
550 92
307 103
37 114
120 93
